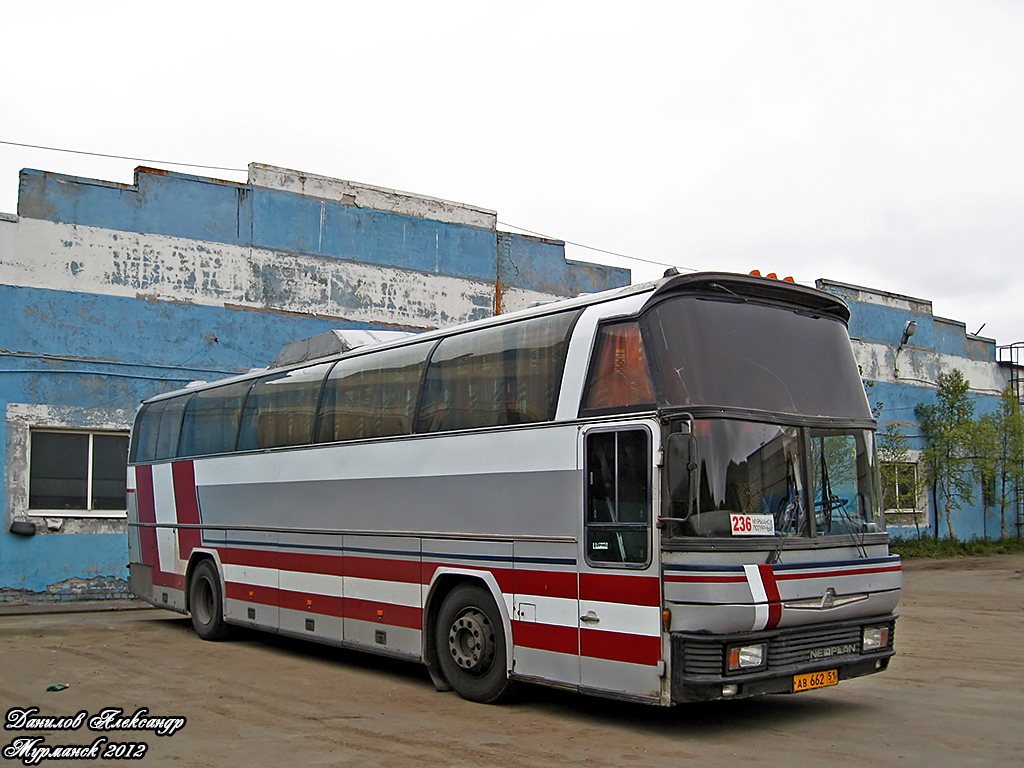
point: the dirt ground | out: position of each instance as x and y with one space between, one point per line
953 696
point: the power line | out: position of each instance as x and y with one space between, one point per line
592 248
123 157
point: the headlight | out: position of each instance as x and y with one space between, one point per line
747 656
874 638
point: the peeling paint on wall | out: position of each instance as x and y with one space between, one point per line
169 269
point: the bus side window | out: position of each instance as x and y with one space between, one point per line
147 427
170 427
618 497
281 408
497 376
211 420
372 395
619 376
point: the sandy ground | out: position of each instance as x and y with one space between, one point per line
953 696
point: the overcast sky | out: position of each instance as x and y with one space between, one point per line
874 143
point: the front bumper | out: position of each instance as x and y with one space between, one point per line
699 671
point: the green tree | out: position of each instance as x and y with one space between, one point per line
948 427
985 455
1008 422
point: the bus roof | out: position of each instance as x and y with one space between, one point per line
719 284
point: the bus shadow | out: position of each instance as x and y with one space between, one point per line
712 718
776 712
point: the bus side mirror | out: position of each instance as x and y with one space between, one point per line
681 465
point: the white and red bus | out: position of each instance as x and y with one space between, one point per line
661 493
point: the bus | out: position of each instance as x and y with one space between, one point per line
661 493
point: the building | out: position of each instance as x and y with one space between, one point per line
112 293
902 348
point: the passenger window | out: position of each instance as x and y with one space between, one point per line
169 430
618 497
507 374
211 420
147 427
372 395
281 409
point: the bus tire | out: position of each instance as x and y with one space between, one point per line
206 604
471 645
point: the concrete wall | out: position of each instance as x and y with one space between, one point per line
901 379
112 293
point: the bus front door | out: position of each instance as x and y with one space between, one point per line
619 587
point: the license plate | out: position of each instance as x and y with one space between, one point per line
815 680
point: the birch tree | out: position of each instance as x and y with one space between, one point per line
948 427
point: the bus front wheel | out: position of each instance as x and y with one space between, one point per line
206 604
471 645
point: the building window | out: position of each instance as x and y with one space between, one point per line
77 473
899 486
900 498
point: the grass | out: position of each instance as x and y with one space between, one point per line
927 546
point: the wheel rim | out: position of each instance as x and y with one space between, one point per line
471 642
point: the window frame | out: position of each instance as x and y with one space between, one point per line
646 526
88 512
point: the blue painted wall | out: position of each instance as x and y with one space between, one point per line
938 345
107 352
196 208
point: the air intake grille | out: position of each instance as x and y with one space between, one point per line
786 648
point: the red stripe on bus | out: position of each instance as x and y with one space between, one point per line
186 506
546 583
146 506
251 557
251 593
616 588
285 561
300 601
407 571
619 646
302 563
384 613
504 576
546 637
771 591
165 579
833 574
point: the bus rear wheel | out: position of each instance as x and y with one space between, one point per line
206 604
471 645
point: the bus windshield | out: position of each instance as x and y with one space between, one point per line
755 479
743 354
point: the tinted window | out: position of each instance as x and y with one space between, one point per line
281 409
170 428
507 374
211 420
372 395
619 377
618 497
147 427
749 355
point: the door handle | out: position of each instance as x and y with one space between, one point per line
590 617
